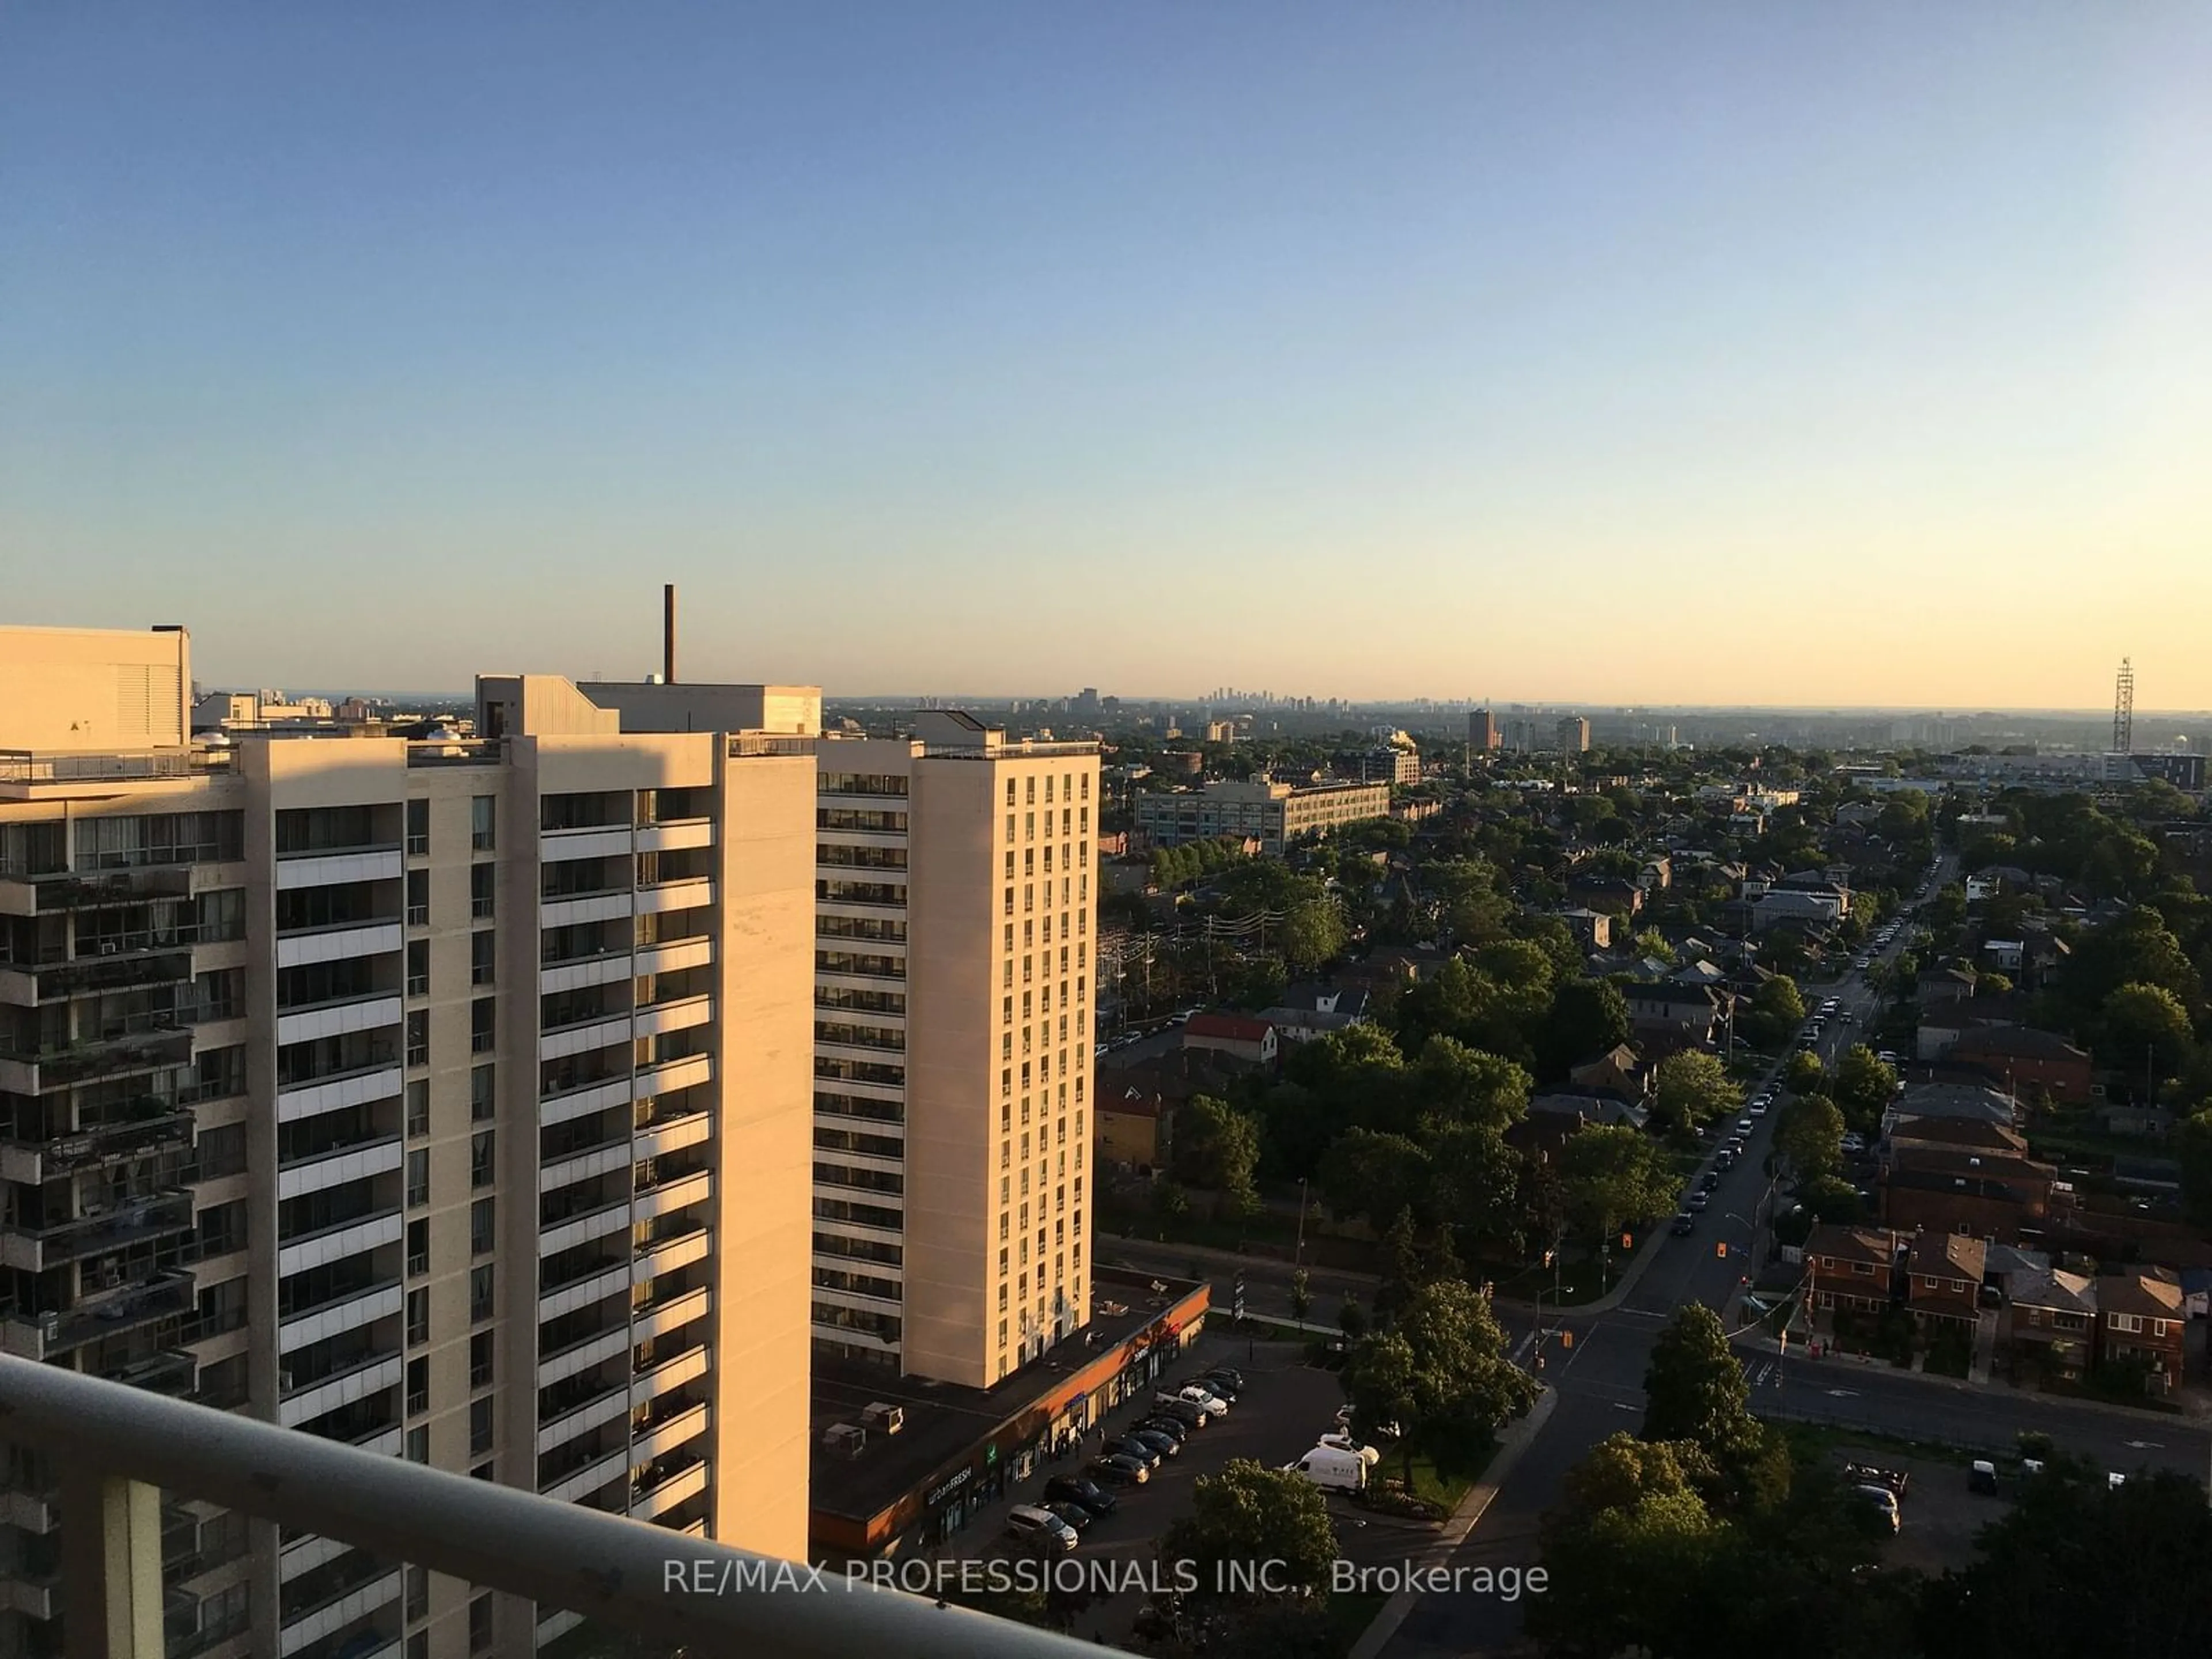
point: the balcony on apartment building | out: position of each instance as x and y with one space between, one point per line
40 1146
34 1244
59 977
53 1333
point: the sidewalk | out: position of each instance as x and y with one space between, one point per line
1511 1444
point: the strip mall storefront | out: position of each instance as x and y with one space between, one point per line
1051 1427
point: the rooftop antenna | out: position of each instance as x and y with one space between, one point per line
668 634
2123 711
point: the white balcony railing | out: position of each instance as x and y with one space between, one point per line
647 1582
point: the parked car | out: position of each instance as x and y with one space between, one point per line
1758 1107
1225 1387
1117 1470
1075 1489
1073 1513
1205 1399
1707 1181
1235 1377
1983 1477
1854 1144
1183 1411
1161 1423
1697 1203
1129 1445
1885 1504
1870 1474
1027 1521
1685 1225
1744 1126
1726 1158
1164 1445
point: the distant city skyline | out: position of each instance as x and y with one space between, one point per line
1683 353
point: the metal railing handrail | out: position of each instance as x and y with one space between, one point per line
646 1580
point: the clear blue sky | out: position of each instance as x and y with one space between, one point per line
1641 352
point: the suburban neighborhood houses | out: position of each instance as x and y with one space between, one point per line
1905 1081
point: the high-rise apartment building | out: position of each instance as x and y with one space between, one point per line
451 1099
1575 735
955 921
1482 732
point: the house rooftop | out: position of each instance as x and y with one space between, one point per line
1947 1256
1876 1245
2052 1287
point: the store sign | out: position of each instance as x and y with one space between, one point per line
945 1489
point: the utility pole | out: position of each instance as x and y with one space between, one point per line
1298 1256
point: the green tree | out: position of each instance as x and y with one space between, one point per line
1695 1390
1831 1198
1777 1009
1301 1294
1455 1083
1653 943
1810 1134
1629 1551
1694 1089
2141 1021
1865 1087
1370 1175
1610 1175
1440 1373
1311 934
1587 1018
1216 1146
1804 1074
1249 1513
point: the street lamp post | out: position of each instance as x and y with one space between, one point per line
1298 1257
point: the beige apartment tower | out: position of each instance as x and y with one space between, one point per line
956 923
449 1098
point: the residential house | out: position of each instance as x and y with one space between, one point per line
1852 1268
1241 1037
1582 1109
1946 984
1617 1073
1943 1281
1656 873
2049 1323
1984 1196
1951 1100
1801 906
1311 1010
1592 929
1666 1016
1942 1023
2140 1320
1614 893
2022 1059
1133 1124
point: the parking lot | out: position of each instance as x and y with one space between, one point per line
1940 1514
1286 1405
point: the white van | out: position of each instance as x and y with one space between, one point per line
1332 1470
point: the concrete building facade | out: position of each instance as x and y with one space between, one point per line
1275 814
449 1099
956 923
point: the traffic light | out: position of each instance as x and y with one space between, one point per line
1566 1338
1627 1243
1547 1257
1785 1340
1720 1248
